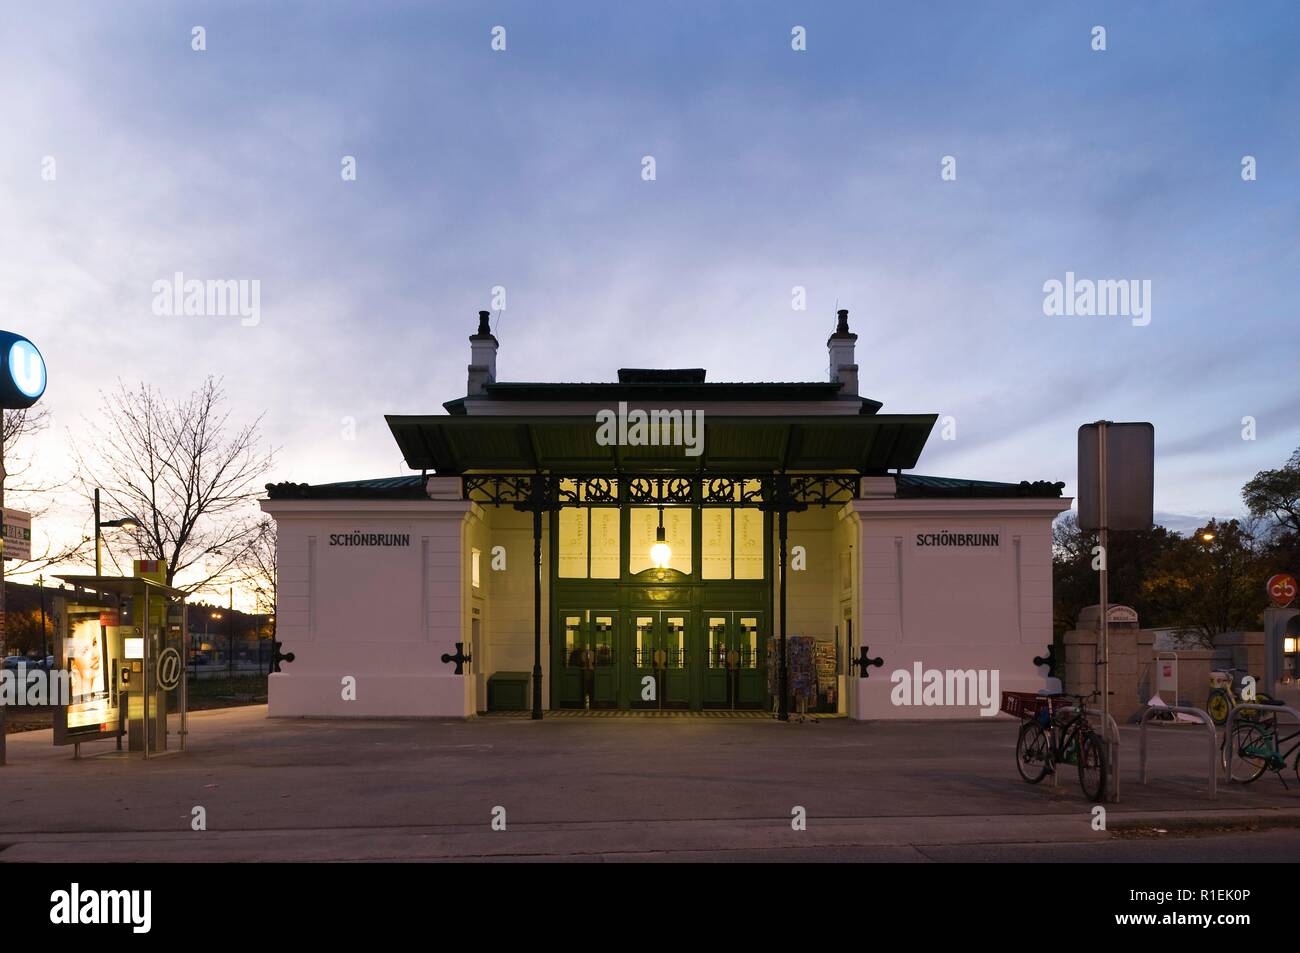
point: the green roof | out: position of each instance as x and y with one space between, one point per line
874 443
410 486
914 485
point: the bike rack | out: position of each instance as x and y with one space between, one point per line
1186 710
1112 751
1232 720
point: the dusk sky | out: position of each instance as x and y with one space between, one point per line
775 168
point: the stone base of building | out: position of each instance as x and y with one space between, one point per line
376 696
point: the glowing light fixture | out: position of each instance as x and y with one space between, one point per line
661 554
1208 537
1288 645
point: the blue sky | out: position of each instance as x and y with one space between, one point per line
775 168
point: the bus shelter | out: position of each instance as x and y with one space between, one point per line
121 641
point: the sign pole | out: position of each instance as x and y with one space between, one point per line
22 382
1104 624
2 576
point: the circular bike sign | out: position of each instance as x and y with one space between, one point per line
169 669
1281 588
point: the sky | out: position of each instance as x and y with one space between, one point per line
775 168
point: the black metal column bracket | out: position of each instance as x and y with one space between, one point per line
460 658
277 656
1049 660
864 662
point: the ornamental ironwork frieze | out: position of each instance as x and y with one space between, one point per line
760 490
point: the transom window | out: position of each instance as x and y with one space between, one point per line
589 542
731 543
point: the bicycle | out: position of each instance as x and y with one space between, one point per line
1223 698
1051 737
1257 747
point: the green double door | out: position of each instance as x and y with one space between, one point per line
655 658
663 659
735 663
587 673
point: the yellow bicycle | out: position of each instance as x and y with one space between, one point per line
1225 695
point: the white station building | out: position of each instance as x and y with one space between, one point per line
609 546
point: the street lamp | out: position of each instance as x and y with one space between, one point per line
40 585
230 637
207 638
126 522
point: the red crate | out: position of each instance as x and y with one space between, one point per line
1027 704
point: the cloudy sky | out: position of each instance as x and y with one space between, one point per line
775 168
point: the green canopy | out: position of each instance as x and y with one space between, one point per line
741 444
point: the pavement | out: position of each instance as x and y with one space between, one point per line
617 789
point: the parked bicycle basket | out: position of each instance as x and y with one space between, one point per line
1030 705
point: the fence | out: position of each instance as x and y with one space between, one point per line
212 656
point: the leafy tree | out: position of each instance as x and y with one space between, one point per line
1275 496
23 632
1210 582
1075 583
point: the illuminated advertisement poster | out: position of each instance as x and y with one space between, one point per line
87 662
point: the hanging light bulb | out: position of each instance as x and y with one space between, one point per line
661 554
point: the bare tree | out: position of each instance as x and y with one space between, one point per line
183 472
16 432
259 567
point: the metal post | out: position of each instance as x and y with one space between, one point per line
537 608
97 567
185 682
1104 624
783 708
40 587
144 676
230 638
2 577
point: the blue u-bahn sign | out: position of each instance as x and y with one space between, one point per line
22 372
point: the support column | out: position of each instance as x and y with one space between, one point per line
541 499
779 498
783 708
537 614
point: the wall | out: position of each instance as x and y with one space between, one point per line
986 608
509 598
383 615
1133 661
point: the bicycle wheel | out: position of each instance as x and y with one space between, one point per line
1092 766
1218 705
1250 749
1031 752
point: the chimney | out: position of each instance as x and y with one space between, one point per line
482 356
840 346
